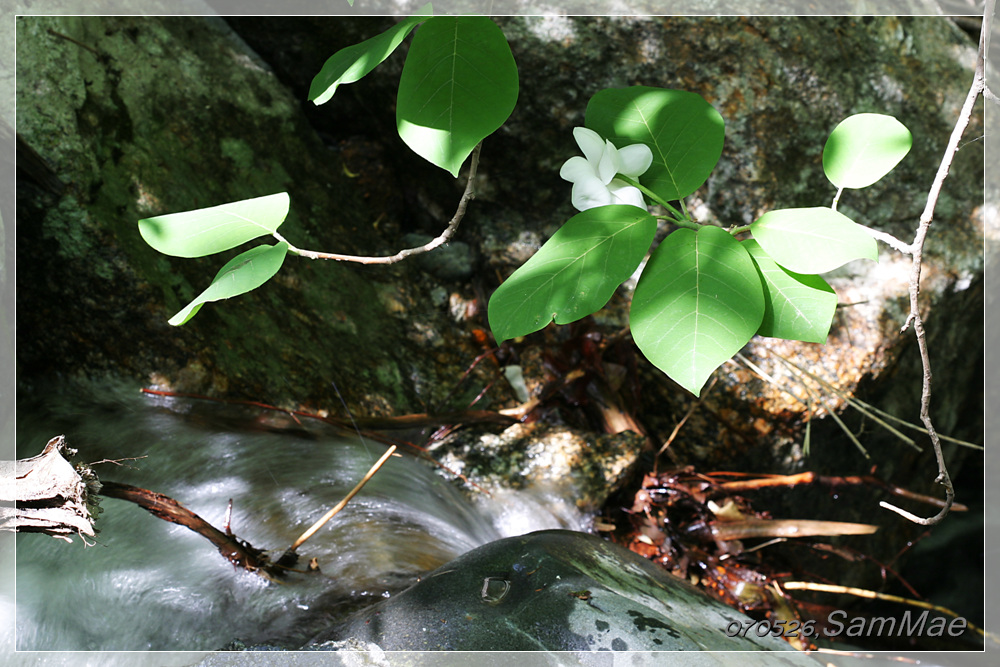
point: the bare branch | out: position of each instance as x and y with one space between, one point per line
891 241
445 236
914 318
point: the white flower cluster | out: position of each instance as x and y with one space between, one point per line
594 176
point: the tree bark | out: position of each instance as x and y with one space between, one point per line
47 494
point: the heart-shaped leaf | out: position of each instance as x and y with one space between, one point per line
812 240
698 301
575 273
459 84
796 306
245 272
353 62
211 230
684 132
863 148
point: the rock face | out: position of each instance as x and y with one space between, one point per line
552 591
94 104
141 116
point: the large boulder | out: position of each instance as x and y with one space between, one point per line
131 117
553 590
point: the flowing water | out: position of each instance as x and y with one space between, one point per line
151 585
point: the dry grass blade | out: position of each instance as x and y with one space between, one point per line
290 556
738 530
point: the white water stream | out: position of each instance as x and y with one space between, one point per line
152 585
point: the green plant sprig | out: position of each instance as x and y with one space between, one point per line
702 294
678 218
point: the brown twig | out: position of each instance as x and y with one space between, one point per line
75 41
444 237
743 486
914 318
236 551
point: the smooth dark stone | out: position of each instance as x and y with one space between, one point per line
552 590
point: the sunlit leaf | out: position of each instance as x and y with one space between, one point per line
459 84
698 301
684 132
863 148
796 306
353 62
575 273
211 230
812 240
245 272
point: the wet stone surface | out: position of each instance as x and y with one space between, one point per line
575 464
552 591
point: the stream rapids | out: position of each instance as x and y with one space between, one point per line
151 585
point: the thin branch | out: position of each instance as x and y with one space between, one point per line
914 318
446 235
236 551
891 241
339 506
78 43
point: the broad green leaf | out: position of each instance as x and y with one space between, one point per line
863 148
698 301
211 230
245 272
684 132
796 306
459 84
812 240
353 62
575 273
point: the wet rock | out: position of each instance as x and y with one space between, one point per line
581 466
142 116
552 591
452 261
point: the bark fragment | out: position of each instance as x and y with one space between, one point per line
47 494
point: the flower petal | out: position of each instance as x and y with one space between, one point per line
575 169
623 193
609 163
635 160
590 192
590 143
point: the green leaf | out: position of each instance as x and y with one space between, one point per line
698 301
812 240
863 148
211 230
684 132
575 273
459 84
245 272
796 306
353 62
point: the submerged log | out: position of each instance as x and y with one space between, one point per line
47 494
